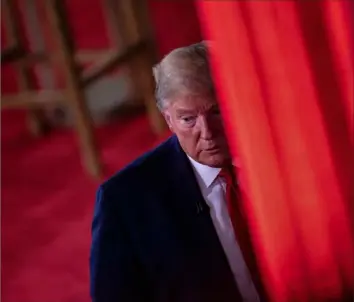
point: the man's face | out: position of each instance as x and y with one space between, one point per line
197 122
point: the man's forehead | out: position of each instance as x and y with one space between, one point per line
188 105
195 99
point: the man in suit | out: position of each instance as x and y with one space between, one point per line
163 227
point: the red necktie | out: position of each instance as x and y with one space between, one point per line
238 219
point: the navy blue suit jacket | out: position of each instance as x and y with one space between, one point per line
153 238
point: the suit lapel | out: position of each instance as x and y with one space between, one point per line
197 229
185 183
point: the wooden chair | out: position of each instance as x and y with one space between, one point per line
132 47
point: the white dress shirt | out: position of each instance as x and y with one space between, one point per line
213 190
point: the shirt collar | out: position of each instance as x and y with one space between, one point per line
205 174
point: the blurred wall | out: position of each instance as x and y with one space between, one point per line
175 24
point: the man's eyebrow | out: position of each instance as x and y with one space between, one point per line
184 111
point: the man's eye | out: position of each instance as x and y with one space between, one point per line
188 119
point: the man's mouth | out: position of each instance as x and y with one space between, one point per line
212 148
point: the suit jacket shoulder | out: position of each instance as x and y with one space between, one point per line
143 172
145 167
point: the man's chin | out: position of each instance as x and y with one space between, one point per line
214 159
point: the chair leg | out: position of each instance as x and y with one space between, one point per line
85 132
65 62
35 119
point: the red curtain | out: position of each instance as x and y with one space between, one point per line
284 74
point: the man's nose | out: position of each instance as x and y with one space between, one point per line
205 128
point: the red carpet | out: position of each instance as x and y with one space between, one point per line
47 206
